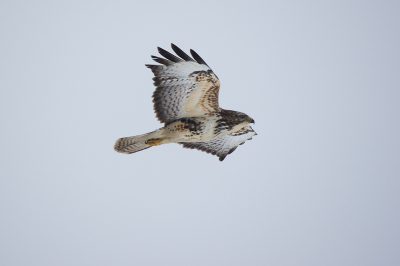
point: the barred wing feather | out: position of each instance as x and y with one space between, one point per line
224 145
185 87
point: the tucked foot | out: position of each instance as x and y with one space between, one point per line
154 142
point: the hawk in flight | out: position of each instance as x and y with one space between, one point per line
186 101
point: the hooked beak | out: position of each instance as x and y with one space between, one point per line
251 121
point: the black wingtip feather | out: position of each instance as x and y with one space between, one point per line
168 55
181 53
198 58
162 60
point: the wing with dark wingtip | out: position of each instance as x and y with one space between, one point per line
185 87
224 145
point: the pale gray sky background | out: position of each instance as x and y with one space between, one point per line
319 185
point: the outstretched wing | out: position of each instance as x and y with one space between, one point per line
185 87
224 145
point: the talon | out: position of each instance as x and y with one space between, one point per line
154 142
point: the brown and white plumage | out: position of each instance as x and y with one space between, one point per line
186 101
224 145
185 88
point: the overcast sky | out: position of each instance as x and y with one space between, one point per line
318 185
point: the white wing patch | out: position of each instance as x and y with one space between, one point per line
184 88
224 145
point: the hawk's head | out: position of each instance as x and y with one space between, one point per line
245 118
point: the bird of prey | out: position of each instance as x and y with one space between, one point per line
186 101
